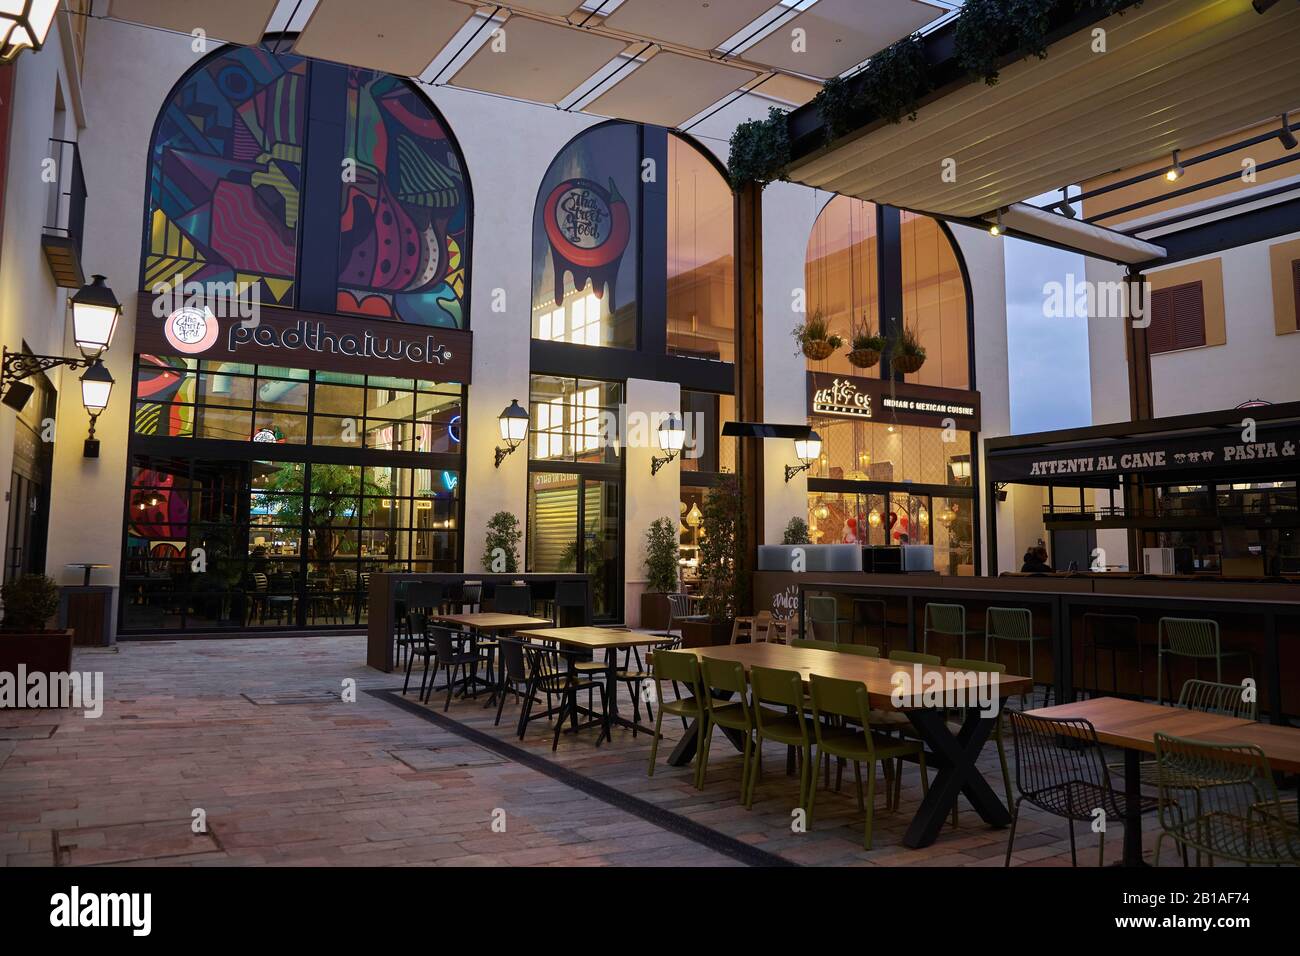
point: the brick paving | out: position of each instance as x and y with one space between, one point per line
255 734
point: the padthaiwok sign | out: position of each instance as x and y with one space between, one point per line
851 396
286 337
1222 450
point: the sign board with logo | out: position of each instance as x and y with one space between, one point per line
287 337
877 399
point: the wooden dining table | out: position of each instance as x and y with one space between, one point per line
1131 725
611 641
954 755
488 622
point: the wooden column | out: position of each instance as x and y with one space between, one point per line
1140 401
749 374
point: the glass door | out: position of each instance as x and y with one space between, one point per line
574 527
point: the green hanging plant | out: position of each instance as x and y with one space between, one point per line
896 79
760 150
838 105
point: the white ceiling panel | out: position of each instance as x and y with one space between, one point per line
238 21
839 34
669 89
537 61
396 36
695 24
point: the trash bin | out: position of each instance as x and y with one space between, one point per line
88 611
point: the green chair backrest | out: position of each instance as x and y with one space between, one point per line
1212 698
1009 623
682 666
814 644
724 675
822 608
775 686
841 698
982 667
861 650
945 619
1189 636
913 657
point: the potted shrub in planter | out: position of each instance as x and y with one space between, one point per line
661 543
721 586
815 338
865 348
501 545
29 603
796 532
908 352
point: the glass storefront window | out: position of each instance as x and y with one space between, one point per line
574 419
585 241
934 302
574 527
703 414
897 517
878 452
841 275
954 535
701 265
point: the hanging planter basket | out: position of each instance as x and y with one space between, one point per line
907 364
819 350
865 358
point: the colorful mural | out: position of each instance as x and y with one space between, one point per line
404 209
164 380
158 508
226 176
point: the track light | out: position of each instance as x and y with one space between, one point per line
1175 172
996 228
1064 205
1286 136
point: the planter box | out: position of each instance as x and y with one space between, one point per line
48 653
704 634
654 610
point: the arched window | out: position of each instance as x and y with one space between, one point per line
701 255
235 178
844 286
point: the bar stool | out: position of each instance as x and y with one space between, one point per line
1114 633
946 620
1196 638
1014 624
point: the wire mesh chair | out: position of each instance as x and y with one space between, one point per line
1060 770
1220 801
1016 626
824 616
945 620
1195 638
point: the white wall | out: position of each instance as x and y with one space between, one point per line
646 496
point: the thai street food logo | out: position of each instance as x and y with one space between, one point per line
588 228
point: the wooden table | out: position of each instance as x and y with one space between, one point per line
1132 725
611 641
488 622
954 755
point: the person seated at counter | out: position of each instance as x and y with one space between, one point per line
1035 562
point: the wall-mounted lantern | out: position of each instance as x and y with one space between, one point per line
514 429
672 439
24 25
806 450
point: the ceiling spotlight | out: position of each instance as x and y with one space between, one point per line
1285 135
1175 172
996 228
1064 205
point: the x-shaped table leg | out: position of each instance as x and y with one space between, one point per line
955 756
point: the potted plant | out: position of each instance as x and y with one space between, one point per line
815 338
661 543
796 532
722 589
501 546
29 603
908 352
865 348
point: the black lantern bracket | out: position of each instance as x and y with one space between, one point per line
17 366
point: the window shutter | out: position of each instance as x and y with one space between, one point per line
1295 276
1177 318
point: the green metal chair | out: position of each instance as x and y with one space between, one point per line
823 614
1220 801
680 667
789 726
1207 697
1016 625
862 650
1195 638
813 644
835 702
735 714
944 620
914 657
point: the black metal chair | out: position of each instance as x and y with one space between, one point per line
417 625
569 595
453 660
1061 770
524 674
422 596
512 599
468 598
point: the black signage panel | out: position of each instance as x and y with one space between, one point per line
877 399
1222 451
286 337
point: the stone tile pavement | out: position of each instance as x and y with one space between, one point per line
254 736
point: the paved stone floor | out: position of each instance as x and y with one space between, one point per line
254 736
